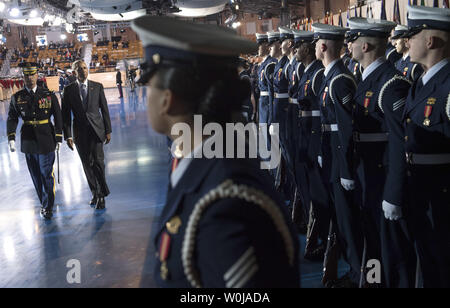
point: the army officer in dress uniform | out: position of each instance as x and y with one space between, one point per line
39 137
223 224
427 120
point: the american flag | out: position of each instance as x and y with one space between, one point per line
397 18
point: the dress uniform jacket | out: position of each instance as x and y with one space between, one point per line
410 70
355 68
247 107
38 134
378 135
335 99
392 55
336 103
225 227
309 112
265 109
427 121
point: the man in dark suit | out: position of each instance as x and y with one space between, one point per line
119 82
85 99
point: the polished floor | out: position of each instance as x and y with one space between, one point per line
113 246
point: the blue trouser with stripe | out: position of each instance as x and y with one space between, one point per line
41 171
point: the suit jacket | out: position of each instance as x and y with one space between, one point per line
96 115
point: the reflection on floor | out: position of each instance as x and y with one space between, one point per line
114 246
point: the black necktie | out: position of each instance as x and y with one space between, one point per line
84 95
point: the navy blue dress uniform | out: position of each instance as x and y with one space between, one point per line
356 69
336 96
391 54
247 106
410 70
223 224
39 136
427 123
308 144
265 73
378 135
281 96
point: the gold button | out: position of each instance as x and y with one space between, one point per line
406 138
313 132
408 120
444 190
380 166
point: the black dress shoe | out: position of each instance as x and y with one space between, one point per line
47 214
94 201
100 204
316 254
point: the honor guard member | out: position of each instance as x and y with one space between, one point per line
269 71
244 74
353 65
427 121
410 70
308 143
265 108
391 52
280 90
336 103
39 137
378 135
223 224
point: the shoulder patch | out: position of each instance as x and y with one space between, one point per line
315 78
347 99
391 81
447 108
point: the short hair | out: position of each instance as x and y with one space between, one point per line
75 64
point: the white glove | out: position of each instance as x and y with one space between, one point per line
319 160
392 212
58 146
271 129
348 184
12 145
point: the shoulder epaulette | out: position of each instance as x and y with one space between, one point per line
397 104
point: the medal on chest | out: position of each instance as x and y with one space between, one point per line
306 86
280 71
172 226
428 109
405 71
293 78
367 99
324 97
262 75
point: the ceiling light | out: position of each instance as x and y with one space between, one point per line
236 25
14 12
34 13
2 6
63 36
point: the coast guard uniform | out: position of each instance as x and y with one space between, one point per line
336 96
378 136
281 96
427 123
39 136
308 144
223 224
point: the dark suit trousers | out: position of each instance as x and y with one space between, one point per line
90 149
